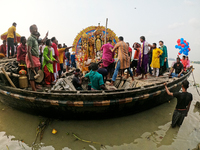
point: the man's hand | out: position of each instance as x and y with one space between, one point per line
165 84
165 59
179 75
51 62
32 66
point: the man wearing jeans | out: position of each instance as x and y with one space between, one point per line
178 67
123 59
10 39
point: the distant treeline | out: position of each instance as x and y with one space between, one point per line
196 62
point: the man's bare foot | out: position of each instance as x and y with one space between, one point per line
141 78
38 87
132 78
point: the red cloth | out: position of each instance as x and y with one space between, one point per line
49 77
184 62
136 54
129 49
36 62
3 49
21 52
56 57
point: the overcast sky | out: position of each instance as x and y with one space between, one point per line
166 20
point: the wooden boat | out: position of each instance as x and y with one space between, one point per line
92 104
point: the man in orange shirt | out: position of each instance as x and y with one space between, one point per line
10 39
61 52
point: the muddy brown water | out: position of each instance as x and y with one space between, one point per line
148 130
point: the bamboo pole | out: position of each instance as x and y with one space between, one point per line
106 30
4 72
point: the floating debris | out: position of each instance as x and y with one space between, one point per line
54 131
87 141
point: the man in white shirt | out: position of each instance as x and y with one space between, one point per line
143 58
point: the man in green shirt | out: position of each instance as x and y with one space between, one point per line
32 58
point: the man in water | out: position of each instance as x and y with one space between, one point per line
178 66
10 39
163 58
32 57
143 58
123 61
183 104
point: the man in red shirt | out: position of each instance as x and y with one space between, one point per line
56 66
3 48
136 47
21 51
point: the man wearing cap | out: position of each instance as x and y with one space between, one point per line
77 81
10 39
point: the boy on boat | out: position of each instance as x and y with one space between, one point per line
96 78
48 64
155 63
184 100
3 49
21 51
77 80
178 67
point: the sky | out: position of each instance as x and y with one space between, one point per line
167 20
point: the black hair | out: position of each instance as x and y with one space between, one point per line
185 84
121 38
110 41
31 27
89 68
143 38
53 38
22 39
14 23
48 42
94 66
78 70
155 44
59 45
183 56
178 58
161 41
4 41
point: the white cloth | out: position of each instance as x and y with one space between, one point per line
146 47
156 72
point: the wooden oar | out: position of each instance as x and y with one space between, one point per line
8 78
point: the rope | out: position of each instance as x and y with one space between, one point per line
195 84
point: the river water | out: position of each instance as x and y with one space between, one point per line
148 130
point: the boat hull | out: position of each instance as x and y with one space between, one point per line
89 105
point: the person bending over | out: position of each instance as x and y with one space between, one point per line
183 104
96 78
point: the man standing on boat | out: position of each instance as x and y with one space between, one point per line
123 59
32 57
163 58
143 58
10 39
56 65
183 104
22 51
108 57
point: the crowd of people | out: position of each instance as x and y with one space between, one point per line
50 56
